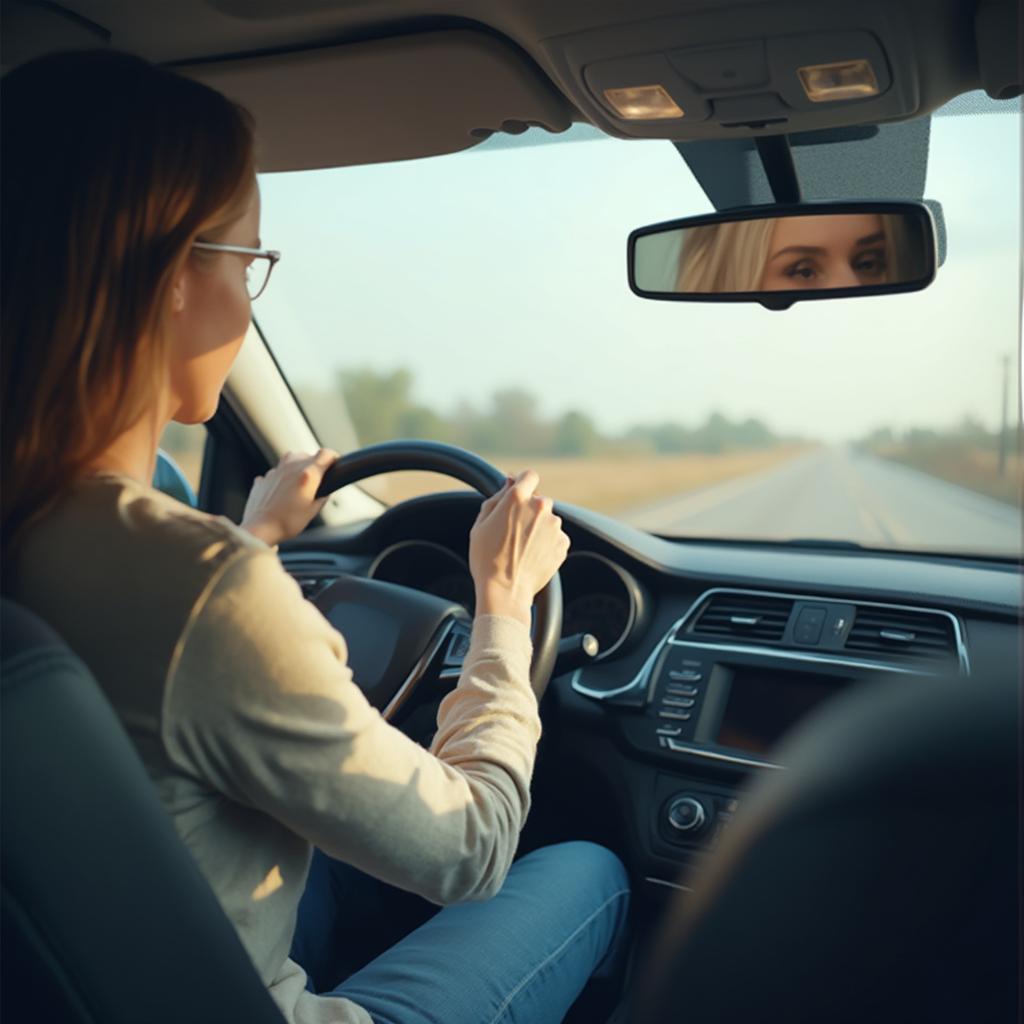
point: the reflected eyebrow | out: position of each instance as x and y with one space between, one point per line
878 236
797 248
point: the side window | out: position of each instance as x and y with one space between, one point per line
185 445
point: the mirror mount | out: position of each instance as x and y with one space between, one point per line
777 161
777 305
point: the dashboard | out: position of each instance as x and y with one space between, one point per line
600 597
708 655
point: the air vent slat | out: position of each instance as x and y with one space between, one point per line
744 617
899 634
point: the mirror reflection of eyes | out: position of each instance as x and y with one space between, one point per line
869 266
831 264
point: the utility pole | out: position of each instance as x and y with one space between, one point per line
1004 431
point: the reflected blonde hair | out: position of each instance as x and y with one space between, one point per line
903 251
724 257
111 167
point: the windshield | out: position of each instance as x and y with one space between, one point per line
481 299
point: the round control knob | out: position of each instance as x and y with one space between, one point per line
687 814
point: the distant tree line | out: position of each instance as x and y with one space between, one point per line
969 432
967 454
382 405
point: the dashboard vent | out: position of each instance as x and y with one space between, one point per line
920 636
744 617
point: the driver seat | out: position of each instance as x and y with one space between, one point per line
104 916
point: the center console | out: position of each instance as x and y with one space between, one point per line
727 682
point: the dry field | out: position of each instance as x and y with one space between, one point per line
963 464
607 484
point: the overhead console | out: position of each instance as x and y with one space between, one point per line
765 68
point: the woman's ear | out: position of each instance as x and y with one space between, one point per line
178 293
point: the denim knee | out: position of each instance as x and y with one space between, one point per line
579 860
600 879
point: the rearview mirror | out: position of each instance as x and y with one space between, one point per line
778 255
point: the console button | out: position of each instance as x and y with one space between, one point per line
678 702
809 624
682 716
686 814
685 675
678 690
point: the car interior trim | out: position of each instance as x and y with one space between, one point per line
680 747
787 654
403 544
638 682
668 885
963 659
633 597
641 679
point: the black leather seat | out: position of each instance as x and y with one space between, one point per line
105 917
876 880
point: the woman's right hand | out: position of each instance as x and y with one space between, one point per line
515 547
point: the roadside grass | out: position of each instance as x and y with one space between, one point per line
607 484
961 463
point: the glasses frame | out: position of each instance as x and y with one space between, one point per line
272 256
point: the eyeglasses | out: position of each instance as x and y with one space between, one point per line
257 273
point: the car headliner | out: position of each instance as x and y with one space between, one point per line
338 82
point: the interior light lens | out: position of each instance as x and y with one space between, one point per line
643 103
843 80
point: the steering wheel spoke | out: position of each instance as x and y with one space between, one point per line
407 648
436 671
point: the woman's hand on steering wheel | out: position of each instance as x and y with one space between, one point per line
515 547
282 503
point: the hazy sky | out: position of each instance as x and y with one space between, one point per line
506 267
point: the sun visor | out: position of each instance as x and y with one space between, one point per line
393 99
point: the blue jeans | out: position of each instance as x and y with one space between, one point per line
523 956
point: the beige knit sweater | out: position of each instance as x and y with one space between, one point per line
238 697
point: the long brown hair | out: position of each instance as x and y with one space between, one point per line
110 167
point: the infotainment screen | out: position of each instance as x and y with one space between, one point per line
763 704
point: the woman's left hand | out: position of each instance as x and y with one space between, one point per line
282 503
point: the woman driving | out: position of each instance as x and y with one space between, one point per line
131 252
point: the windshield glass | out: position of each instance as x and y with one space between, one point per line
481 299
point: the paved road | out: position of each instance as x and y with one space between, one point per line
838 494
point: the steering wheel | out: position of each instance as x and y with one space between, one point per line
406 646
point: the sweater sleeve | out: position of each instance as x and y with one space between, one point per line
261 705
